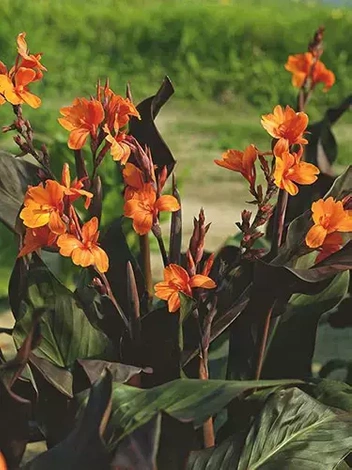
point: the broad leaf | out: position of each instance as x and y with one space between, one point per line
292 348
187 400
66 334
84 447
120 372
295 431
15 176
139 449
333 393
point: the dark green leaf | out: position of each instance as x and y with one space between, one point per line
59 377
295 431
66 334
333 393
187 400
292 348
15 176
120 372
83 448
145 130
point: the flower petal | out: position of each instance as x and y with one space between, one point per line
56 224
90 229
101 259
77 138
174 302
67 243
316 236
167 203
202 281
82 257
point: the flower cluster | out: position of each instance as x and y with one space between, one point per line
15 81
51 221
308 71
103 118
143 199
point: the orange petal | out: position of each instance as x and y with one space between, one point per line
101 259
177 274
163 290
33 216
202 281
56 224
346 223
82 257
167 203
24 76
290 187
55 191
133 176
78 138
32 100
65 175
316 236
304 173
174 302
67 243
281 147
66 124
90 229
22 47
142 222
8 90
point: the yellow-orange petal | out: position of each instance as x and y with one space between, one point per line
202 281
82 256
174 302
167 203
29 98
304 173
163 290
77 138
101 259
8 90
33 216
3 465
90 229
345 224
281 146
56 224
66 124
289 186
67 243
133 176
177 274
142 222
316 236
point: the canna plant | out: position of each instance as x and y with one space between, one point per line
210 367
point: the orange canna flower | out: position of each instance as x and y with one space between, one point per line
85 251
74 190
286 124
290 170
119 150
176 279
31 61
145 207
328 216
321 74
17 92
81 119
44 205
36 238
332 243
118 109
303 68
242 162
134 181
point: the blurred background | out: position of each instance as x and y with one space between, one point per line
226 61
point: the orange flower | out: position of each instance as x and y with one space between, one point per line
286 124
44 205
332 243
290 170
85 252
119 150
176 279
242 162
31 61
36 238
118 109
133 178
145 207
17 92
328 216
74 190
303 68
81 119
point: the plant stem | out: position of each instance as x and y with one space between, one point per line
113 300
208 426
262 348
146 264
157 233
279 222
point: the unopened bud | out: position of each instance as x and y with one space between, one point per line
162 179
191 267
99 286
208 265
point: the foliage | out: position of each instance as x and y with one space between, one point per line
116 372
